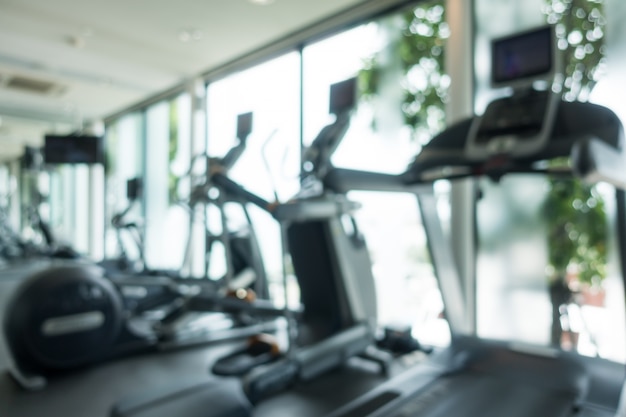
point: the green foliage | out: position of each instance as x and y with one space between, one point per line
112 140
576 221
575 212
173 179
577 230
580 27
417 54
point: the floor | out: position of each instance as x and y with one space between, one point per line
94 390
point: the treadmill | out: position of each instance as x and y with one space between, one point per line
518 133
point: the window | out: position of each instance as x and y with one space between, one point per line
518 286
383 138
269 166
124 143
522 295
167 152
404 116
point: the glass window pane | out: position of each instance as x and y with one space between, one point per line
269 166
514 297
271 92
538 281
387 149
406 285
612 76
51 194
383 138
167 159
124 141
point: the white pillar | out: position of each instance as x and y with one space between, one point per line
460 67
195 263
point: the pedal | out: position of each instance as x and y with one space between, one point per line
270 379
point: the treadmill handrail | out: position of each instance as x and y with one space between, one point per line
589 134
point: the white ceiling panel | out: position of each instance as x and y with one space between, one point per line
102 56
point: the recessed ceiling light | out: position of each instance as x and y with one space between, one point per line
190 35
77 42
87 32
261 2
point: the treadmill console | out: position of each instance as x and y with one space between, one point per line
343 96
518 124
244 125
523 58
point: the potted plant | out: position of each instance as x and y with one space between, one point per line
577 232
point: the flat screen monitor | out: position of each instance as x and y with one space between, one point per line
73 149
244 125
523 58
134 187
342 96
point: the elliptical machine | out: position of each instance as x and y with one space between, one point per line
244 267
331 263
124 226
73 313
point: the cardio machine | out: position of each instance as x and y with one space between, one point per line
331 263
242 255
128 229
73 313
518 133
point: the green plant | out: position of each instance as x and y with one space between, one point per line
173 179
414 58
580 27
573 212
577 230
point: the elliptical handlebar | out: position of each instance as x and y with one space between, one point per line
316 158
236 190
215 165
232 156
244 127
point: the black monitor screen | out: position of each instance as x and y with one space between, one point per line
244 125
523 56
342 96
73 149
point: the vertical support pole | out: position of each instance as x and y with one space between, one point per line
194 264
620 196
15 202
443 262
95 209
460 66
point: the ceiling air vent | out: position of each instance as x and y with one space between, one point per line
32 85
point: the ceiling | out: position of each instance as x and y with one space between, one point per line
65 63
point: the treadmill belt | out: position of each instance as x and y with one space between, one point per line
481 395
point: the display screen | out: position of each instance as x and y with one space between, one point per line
529 55
342 96
73 149
244 125
522 117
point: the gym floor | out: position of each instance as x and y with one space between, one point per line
94 390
